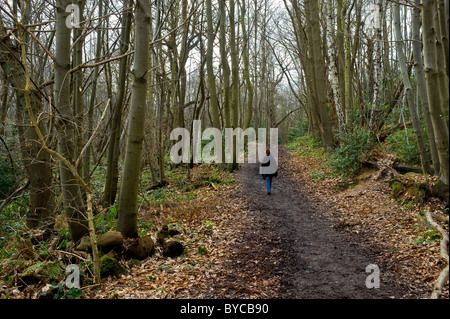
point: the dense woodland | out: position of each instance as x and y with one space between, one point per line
90 91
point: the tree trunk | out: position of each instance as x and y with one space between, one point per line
234 78
319 74
225 65
378 51
408 91
92 99
340 57
72 198
422 88
333 69
214 102
441 60
77 84
434 88
112 167
443 25
248 83
37 163
128 196
234 68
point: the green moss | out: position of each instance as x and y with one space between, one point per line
111 267
419 192
46 271
397 189
134 262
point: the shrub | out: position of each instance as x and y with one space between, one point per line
307 145
346 160
7 179
403 145
301 129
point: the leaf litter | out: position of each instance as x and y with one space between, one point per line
222 261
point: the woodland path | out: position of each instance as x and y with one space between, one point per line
294 251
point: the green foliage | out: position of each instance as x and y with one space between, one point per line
307 146
145 227
164 268
105 221
397 189
7 179
180 188
65 237
429 237
318 175
60 292
427 233
403 145
300 130
48 270
354 146
209 225
201 251
11 220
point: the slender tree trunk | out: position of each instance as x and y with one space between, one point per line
351 60
378 51
409 92
92 99
234 78
214 102
72 198
77 84
112 168
434 88
443 25
183 57
159 76
333 69
245 56
348 77
128 208
319 74
422 88
234 67
4 104
37 163
340 55
442 62
225 65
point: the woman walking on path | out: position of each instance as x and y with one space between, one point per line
269 171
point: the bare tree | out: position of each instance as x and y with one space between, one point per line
128 208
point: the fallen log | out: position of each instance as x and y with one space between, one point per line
400 167
384 135
156 186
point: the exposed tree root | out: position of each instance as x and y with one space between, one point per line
443 276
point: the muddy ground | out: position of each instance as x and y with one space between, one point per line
288 250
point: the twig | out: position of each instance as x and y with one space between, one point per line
92 135
10 197
10 158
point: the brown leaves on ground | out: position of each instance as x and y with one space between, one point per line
397 229
209 227
217 221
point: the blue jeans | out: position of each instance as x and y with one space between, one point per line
269 184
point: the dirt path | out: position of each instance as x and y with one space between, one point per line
290 251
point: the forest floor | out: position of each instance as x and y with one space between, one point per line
306 240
